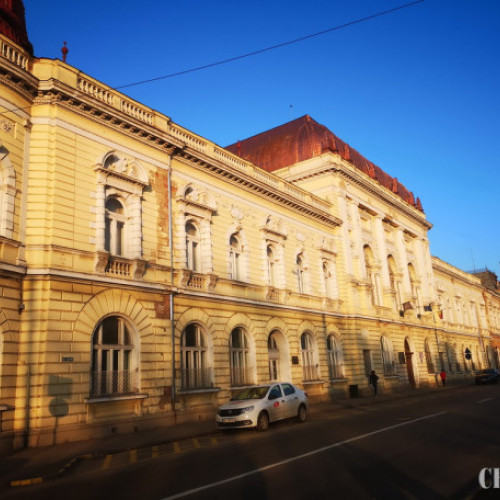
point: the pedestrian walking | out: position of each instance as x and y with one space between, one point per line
442 375
373 380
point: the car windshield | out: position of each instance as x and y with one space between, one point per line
251 393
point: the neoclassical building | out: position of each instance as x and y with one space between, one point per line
146 272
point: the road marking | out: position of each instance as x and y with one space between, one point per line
177 448
299 457
133 456
214 441
484 400
196 443
155 452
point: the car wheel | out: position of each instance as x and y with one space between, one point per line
262 422
302 414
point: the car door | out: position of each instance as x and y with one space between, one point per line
276 403
292 400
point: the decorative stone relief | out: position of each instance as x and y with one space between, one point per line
237 213
7 126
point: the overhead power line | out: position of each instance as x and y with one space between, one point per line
271 47
256 52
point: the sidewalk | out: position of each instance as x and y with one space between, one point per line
34 465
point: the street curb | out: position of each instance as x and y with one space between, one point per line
344 404
16 483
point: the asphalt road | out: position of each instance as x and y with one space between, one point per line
429 447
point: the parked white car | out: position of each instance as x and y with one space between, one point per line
260 405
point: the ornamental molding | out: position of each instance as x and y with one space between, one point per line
136 121
125 168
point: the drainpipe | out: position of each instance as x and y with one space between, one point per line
171 244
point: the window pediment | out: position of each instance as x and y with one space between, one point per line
275 229
327 246
118 166
197 202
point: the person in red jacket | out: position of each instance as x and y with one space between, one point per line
442 374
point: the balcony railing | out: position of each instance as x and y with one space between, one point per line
389 368
112 383
196 378
118 267
310 373
241 376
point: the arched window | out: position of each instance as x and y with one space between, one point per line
415 289
236 258
373 277
114 369
274 357
429 358
330 279
300 271
115 220
387 350
272 266
395 285
193 261
308 350
335 357
240 358
195 372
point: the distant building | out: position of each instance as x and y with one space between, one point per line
146 273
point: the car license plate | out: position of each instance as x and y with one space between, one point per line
229 420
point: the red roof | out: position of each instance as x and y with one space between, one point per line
303 139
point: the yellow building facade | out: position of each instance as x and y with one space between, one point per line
146 272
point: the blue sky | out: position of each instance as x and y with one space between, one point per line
415 91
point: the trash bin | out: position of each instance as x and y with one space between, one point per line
353 391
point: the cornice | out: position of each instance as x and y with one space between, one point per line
52 91
455 272
213 166
18 80
359 178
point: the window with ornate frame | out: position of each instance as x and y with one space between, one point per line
195 370
114 369
274 357
309 357
387 350
300 271
394 284
120 184
429 357
373 275
272 266
329 279
335 357
193 260
193 237
241 371
236 257
115 232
